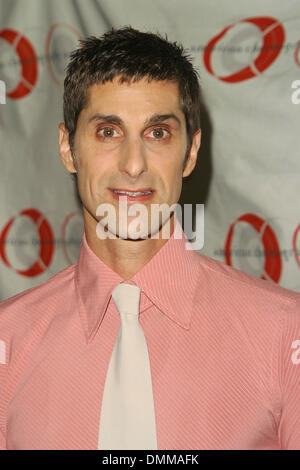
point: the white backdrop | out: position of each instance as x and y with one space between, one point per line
248 56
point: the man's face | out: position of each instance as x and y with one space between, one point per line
129 137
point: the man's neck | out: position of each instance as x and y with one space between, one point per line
125 257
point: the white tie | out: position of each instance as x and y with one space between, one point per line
127 419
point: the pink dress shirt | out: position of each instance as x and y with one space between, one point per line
224 351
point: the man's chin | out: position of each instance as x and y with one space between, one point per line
127 233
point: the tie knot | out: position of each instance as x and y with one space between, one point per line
127 299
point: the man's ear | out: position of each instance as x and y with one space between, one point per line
193 153
65 149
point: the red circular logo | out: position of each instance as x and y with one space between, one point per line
28 61
273 34
65 36
46 243
272 264
75 230
297 54
295 238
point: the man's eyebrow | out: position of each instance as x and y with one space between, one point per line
160 118
117 120
106 117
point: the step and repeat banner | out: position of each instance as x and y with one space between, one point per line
248 57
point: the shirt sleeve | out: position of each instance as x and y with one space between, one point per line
289 380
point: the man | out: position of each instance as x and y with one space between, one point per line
217 350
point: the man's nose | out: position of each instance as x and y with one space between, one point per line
133 157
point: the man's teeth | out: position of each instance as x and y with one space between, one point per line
132 193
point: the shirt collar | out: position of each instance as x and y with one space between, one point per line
168 281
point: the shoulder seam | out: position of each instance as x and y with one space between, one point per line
39 286
286 297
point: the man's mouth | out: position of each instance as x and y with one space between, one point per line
139 194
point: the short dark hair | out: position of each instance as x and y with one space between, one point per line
130 55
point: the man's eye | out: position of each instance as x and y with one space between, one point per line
107 132
159 133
